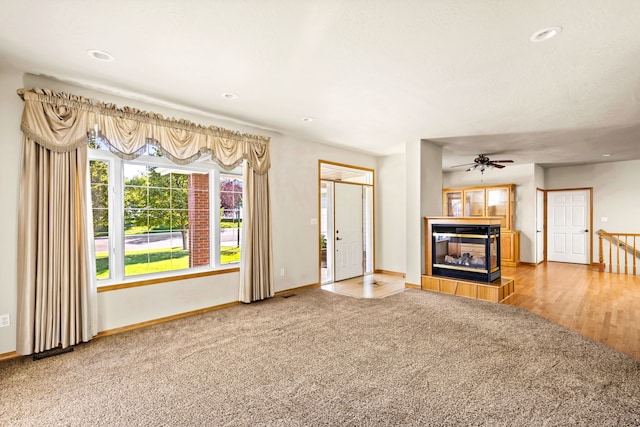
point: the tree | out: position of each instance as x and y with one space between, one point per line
99 171
230 194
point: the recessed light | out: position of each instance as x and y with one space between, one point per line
606 155
100 55
545 34
230 95
307 119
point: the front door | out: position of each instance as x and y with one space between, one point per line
568 219
348 231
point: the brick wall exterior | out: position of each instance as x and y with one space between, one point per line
199 220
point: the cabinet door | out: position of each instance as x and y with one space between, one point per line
453 203
509 248
474 203
498 205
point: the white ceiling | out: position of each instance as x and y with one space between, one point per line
374 74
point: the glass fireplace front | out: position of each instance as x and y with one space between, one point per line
470 252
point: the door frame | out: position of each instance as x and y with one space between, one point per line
546 208
373 209
544 225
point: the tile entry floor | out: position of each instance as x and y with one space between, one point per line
369 286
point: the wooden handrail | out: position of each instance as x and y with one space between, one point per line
629 247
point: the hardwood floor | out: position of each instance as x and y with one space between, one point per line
602 306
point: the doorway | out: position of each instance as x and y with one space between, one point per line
569 226
346 221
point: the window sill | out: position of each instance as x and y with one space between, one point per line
156 280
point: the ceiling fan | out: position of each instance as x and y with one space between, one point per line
482 162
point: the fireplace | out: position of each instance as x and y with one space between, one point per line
466 251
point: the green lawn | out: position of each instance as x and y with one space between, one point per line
230 224
146 261
229 254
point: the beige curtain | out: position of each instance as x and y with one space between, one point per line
127 131
55 293
256 275
55 305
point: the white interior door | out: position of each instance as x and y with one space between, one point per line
348 235
568 219
539 226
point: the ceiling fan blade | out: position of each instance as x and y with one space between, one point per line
466 164
497 166
501 161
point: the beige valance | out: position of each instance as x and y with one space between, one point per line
60 122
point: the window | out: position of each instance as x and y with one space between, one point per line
151 216
99 171
230 218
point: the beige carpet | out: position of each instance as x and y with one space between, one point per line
318 358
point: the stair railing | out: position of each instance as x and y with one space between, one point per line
627 243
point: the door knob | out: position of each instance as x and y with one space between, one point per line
585 230
338 238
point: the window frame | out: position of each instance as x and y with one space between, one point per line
116 216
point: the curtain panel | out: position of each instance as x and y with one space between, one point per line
256 274
56 296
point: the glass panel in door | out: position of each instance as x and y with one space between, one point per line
474 203
497 205
454 203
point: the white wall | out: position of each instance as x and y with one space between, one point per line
294 186
615 193
391 181
423 162
525 213
10 163
293 180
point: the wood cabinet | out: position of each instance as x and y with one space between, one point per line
483 201
509 248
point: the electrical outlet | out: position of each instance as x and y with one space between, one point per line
282 271
4 320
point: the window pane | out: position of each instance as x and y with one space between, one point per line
159 197
99 171
230 218
180 219
135 174
180 180
136 197
179 199
159 220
